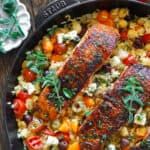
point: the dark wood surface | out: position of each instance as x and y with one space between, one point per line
6 60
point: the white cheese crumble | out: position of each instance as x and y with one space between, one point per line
111 147
140 119
91 89
72 35
115 61
122 54
29 87
115 73
23 133
51 140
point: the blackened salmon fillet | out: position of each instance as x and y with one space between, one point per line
88 56
109 116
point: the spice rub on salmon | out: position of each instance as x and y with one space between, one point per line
130 92
88 56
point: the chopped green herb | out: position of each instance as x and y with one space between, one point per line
87 113
133 87
57 94
52 30
145 145
37 61
68 93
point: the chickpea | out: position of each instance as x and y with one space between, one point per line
132 34
141 21
76 26
124 132
140 30
147 47
24 64
114 13
22 124
123 12
147 26
123 23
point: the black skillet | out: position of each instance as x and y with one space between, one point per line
53 13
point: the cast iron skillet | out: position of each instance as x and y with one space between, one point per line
53 13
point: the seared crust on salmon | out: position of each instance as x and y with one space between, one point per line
89 55
111 114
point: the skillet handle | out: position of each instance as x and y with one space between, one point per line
52 8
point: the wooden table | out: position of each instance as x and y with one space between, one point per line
6 60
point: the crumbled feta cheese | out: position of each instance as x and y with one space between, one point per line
23 133
91 89
115 73
23 86
111 147
51 140
122 54
115 61
140 119
60 37
72 35
29 87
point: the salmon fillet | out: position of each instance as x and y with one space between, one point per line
111 114
88 56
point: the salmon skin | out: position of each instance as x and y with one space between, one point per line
111 114
88 56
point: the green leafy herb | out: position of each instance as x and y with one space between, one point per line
145 145
37 61
52 30
57 94
133 87
68 93
87 113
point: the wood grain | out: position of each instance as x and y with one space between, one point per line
7 60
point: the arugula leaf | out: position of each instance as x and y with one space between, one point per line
133 88
68 93
57 94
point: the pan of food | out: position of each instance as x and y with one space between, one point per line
81 81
